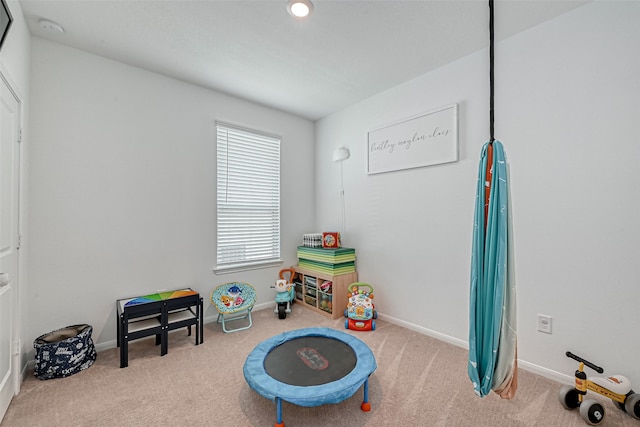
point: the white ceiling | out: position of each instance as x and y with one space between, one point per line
345 52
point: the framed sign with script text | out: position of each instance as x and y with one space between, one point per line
424 140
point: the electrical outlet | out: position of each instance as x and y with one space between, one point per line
544 323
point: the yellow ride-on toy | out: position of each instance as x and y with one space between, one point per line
617 388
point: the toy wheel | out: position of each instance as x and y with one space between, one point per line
568 397
632 405
619 405
592 412
346 323
373 325
375 314
282 313
346 313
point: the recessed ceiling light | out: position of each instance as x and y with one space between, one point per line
300 8
47 25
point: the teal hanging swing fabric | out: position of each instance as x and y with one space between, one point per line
492 320
492 300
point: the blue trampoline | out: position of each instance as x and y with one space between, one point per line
310 367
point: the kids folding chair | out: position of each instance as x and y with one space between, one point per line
234 301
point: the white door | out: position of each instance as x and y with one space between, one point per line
9 241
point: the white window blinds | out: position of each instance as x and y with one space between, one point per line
248 187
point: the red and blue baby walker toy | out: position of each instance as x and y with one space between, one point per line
360 310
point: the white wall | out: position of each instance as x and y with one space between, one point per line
122 200
122 196
567 110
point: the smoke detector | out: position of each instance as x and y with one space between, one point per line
51 26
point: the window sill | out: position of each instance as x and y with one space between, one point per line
244 267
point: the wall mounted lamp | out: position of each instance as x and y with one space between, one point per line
340 154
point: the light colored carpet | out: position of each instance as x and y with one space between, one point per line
420 381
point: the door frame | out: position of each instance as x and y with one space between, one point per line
16 341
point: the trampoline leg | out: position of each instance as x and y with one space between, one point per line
366 406
279 422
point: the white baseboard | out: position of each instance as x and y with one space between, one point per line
424 331
547 373
257 307
106 345
531 367
527 366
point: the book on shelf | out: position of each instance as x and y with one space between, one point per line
333 269
328 256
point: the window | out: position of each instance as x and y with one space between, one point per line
248 195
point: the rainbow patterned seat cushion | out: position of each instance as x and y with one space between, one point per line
160 296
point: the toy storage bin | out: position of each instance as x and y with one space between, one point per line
311 290
64 352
